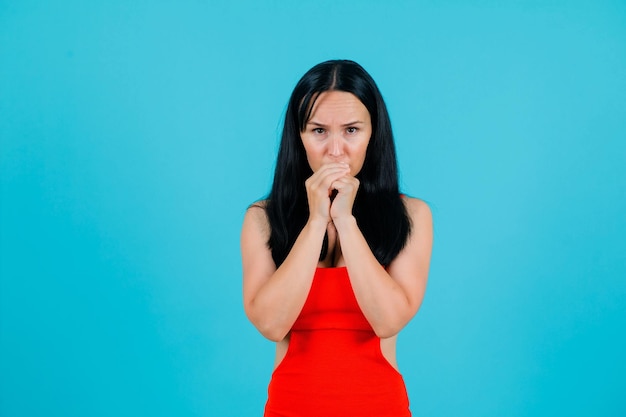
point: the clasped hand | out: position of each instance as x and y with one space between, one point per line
331 178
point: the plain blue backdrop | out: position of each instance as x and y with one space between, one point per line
135 133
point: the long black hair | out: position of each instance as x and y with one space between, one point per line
378 207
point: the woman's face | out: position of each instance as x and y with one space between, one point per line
338 130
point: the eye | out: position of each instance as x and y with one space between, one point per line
352 130
319 130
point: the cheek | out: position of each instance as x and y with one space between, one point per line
312 163
313 157
359 159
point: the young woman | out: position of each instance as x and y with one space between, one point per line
335 260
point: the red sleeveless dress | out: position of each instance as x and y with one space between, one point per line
334 366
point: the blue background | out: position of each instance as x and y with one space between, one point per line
135 133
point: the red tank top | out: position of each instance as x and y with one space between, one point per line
334 366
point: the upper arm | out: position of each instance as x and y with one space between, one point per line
256 257
410 268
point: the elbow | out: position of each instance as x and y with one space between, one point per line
393 323
387 331
388 328
268 328
273 333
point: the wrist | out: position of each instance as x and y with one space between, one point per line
344 223
317 225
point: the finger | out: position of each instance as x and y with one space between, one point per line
345 183
330 169
333 164
334 182
322 174
343 189
324 169
327 177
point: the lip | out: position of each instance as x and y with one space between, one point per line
335 161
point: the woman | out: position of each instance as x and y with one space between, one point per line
335 260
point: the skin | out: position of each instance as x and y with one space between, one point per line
335 139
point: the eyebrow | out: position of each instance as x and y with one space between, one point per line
314 123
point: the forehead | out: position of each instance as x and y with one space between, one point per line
337 106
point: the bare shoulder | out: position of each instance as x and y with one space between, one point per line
419 212
255 232
258 206
256 217
262 204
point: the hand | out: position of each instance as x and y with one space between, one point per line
319 188
341 207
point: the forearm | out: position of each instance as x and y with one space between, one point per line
279 301
382 300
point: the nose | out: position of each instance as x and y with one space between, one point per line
335 145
